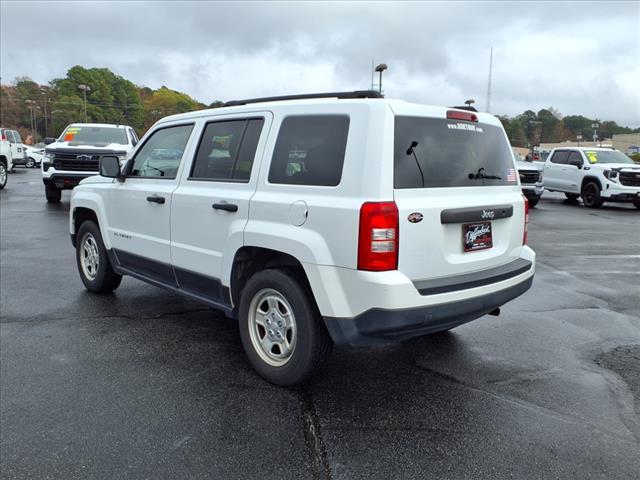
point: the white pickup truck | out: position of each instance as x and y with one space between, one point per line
597 175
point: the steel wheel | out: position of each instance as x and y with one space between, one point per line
89 257
272 327
3 175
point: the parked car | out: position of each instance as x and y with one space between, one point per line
34 155
75 154
597 175
6 162
347 218
530 179
18 150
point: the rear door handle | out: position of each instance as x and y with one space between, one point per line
155 199
228 207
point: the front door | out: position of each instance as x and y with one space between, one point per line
554 170
140 207
210 208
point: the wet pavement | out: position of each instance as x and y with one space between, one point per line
146 384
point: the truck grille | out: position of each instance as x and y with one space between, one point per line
527 176
70 162
630 179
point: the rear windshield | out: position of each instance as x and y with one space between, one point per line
96 136
451 153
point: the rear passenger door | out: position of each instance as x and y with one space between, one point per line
555 170
210 208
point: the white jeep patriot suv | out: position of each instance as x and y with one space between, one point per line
333 218
75 155
597 175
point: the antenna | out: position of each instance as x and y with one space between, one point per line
372 75
489 84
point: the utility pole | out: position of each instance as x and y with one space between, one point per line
32 122
489 84
44 96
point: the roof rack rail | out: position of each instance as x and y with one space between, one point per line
339 95
466 107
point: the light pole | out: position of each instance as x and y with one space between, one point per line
44 97
579 138
85 89
534 124
381 68
595 126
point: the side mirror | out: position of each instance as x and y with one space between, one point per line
110 166
49 140
576 162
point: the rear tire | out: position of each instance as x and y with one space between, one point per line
93 263
3 174
282 332
30 163
53 194
591 195
572 197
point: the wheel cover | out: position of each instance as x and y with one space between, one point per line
89 257
3 174
272 327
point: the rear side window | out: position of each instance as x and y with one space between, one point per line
227 150
310 150
451 153
561 156
17 136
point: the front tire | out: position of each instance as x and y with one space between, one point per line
92 260
636 203
282 332
533 201
591 195
3 174
53 194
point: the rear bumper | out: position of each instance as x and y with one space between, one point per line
378 326
65 181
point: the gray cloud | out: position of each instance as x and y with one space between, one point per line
580 57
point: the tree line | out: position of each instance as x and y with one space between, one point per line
46 109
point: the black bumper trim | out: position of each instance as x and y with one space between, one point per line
475 279
378 326
58 180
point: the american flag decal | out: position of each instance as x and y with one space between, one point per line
511 175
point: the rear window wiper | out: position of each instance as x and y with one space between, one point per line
481 175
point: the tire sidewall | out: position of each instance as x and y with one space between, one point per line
89 227
6 172
305 315
597 201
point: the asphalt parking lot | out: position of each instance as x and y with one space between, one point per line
146 384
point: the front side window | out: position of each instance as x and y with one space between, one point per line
561 157
161 154
17 136
310 150
575 157
227 150
9 135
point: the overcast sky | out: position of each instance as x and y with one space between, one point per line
579 57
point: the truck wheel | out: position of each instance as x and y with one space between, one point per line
572 197
30 163
3 174
636 203
93 263
281 330
54 194
591 195
533 201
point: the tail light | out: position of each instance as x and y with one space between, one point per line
526 220
462 115
378 236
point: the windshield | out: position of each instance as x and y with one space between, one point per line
97 136
450 153
607 156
